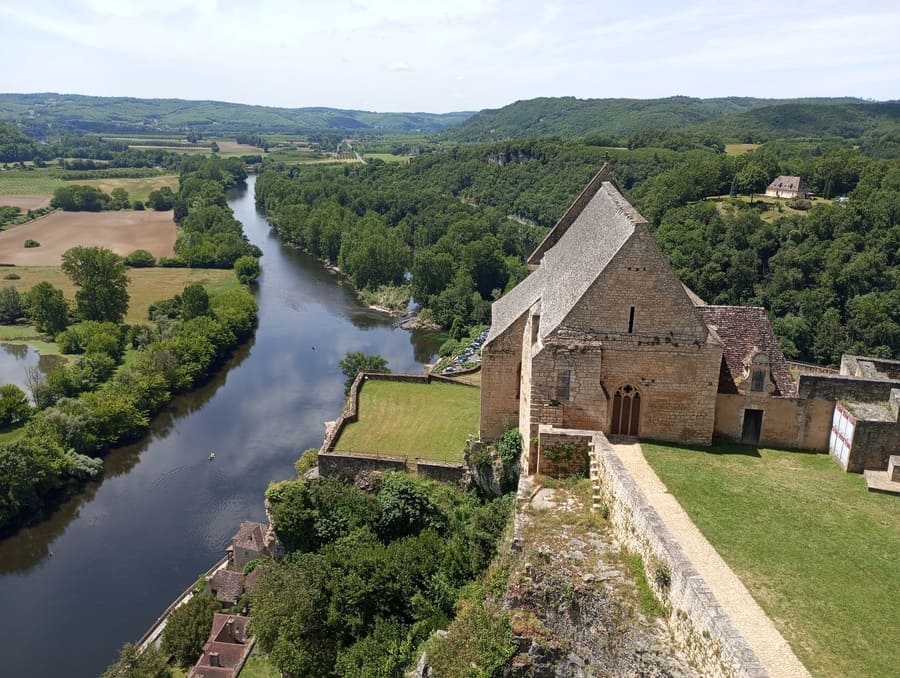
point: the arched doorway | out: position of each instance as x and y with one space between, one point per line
626 411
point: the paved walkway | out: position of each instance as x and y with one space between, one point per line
771 649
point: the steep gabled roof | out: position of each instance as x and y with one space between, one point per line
595 227
744 331
596 234
557 232
786 182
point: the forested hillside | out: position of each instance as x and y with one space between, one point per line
571 118
44 113
461 222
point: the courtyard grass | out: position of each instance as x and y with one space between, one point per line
819 553
428 421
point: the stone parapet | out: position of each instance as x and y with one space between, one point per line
706 631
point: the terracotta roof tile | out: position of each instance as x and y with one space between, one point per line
745 330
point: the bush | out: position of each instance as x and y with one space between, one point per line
799 204
246 269
12 276
32 243
307 460
11 308
140 259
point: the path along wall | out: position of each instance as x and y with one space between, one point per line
708 635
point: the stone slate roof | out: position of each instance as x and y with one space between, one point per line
595 227
745 330
251 536
785 182
227 585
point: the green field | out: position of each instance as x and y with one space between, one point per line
138 189
820 554
387 157
147 285
428 421
24 182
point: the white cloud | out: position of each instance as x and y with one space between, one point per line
399 66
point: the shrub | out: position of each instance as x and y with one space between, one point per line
12 276
32 243
140 259
799 204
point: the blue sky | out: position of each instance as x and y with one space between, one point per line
420 55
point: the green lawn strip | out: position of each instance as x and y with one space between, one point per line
429 421
25 182
819 553
259 666
26 334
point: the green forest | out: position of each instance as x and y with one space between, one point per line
460 222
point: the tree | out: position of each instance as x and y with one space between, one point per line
14 406
101 277
194 301
140 259
132 663
355 362
119 199
246 269
10 305
47 308
162 199
752 178
187 628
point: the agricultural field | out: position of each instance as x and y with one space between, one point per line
26 202
146 286
819 553
138 189
122 232
387 157
25 182
428 421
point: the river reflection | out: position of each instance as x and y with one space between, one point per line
108 561
16 359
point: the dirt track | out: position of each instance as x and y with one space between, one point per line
122 232
26 202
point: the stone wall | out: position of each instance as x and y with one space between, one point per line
787 422
500 364
350 465
873 444
828 387
562 454
442 471
708 635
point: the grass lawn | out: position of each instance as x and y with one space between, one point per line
19 182
138 189
429 421
147 285
820 554
737 149
259 666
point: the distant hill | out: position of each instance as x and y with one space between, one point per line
799 120
41 114
569 117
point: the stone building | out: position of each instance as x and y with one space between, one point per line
788 187
602 335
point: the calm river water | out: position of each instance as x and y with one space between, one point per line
97 574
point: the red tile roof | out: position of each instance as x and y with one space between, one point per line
746 330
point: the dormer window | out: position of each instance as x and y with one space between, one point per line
757 379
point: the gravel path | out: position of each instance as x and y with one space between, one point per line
768 644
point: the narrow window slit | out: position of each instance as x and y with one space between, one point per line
631 321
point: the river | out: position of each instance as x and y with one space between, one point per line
100 570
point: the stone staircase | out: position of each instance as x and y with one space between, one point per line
597 497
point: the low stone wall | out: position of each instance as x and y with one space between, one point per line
838 387
562 452
442 471
351 465
708 635
873 444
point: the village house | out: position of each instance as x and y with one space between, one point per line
602 336
226 650
251 542
787 187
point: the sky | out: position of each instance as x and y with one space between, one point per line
422 55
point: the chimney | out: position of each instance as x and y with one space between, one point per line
214 659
